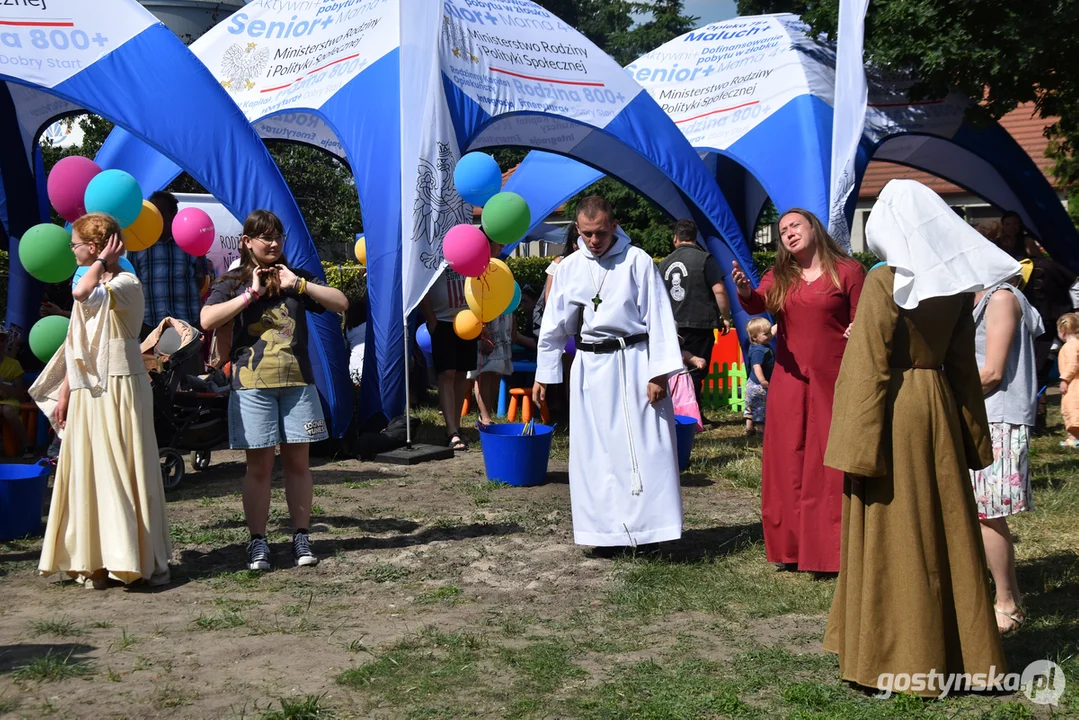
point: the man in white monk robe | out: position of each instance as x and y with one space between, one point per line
623 468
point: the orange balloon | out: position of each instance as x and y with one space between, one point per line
146 230
467 325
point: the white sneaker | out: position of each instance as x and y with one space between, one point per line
301 550
258 554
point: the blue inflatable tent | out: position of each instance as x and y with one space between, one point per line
400 89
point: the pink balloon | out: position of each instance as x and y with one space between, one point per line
193 231
466 250
67 185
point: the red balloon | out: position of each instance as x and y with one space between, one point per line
67 183
193 231
466 250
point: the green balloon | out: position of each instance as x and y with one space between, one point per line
45 252
47 336
506 218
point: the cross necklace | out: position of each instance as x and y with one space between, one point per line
597 299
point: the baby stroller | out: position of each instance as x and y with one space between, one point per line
190 411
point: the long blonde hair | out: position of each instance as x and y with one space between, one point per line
786 274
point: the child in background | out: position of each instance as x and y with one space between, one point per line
1068 363
680 388
494 358
759 363
11 395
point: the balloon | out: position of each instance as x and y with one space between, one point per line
467 325
45 252
515 301
116 193
194 231
466 250
146 230
361 250
125 265
571 347
67 185
423 339
506 218
477 178
47 335
490 294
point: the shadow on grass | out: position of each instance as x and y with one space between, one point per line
689 479
13 657
695 545
225 479
322 523
195 565
1050 587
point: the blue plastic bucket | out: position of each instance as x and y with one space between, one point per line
516 459
22 495
685 428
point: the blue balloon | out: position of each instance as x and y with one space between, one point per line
423 339
124 263
515 301
115 193
477 178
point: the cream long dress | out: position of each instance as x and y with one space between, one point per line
108 501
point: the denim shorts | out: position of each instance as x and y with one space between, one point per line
263 418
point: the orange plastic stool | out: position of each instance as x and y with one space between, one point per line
28 411
526 406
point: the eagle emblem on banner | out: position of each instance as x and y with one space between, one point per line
438 206
241 64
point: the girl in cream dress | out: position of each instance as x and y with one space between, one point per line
108 515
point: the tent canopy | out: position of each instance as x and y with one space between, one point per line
113 58
754 95
450 79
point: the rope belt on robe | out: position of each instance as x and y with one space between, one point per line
619 346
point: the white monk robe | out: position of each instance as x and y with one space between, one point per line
623 469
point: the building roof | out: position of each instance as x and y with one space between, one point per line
1024 125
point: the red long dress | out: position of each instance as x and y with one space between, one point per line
802 501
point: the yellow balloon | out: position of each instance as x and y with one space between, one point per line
361 251
491 293
467 325
146 230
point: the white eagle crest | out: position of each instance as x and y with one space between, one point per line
240 65
438 206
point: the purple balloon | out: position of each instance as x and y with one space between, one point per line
571 347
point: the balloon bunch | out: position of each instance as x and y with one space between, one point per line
77 186
490 290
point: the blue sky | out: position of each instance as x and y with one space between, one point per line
711 10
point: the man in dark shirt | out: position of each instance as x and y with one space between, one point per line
698 298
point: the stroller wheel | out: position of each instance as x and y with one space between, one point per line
200 459
172 468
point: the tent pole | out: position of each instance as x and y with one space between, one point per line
408 394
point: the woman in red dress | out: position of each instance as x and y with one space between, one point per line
812 291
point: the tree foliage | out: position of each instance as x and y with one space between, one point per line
998 53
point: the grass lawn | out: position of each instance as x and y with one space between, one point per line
443 596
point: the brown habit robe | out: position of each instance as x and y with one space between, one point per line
907 423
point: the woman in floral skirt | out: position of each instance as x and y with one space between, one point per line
1006 326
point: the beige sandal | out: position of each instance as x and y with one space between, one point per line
1018 618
